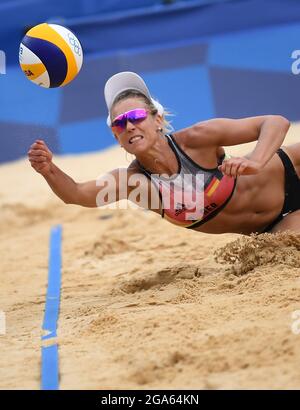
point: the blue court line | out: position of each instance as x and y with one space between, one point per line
50 371
50 368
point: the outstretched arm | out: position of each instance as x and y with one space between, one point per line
84 194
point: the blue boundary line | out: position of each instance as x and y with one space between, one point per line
50 370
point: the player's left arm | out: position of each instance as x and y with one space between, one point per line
268 130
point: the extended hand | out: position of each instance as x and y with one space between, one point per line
236 166
40 157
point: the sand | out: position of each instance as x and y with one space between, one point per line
144 304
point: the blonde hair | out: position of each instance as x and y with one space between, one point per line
167 127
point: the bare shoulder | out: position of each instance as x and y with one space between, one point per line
182 137
193 141
195 136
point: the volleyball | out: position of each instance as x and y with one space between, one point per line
50 55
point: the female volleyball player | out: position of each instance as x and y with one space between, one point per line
259 192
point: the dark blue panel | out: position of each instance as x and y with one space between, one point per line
180 22
51 56
146 26
91 102
16 17
163 58
242 93
17 138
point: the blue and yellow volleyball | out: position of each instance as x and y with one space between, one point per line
50 55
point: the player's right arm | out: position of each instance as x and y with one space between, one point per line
89 194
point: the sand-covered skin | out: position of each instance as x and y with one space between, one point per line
144 304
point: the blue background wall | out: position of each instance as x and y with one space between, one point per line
201 59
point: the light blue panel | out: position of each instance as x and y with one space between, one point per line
185 92
25 102
85 136
260 49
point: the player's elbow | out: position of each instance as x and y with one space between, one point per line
68 201
282 121
285 122
79 196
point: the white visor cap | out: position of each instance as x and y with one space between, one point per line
124 81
